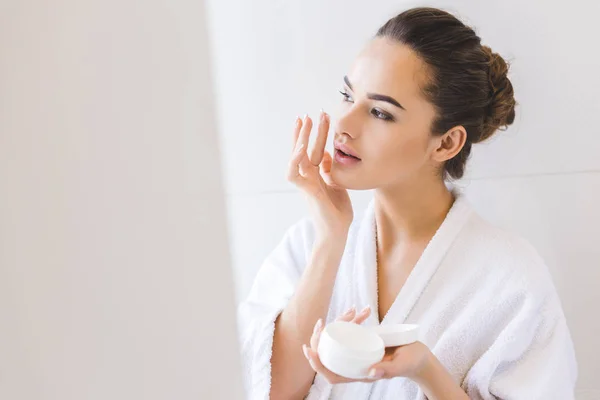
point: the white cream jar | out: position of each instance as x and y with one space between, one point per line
349 349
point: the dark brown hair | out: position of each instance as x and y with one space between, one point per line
468 83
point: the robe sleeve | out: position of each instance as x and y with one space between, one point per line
273 286
533 357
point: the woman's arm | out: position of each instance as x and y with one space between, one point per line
291 375
414 361
436 382
331 209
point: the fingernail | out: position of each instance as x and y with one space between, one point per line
365 309
350 311
373 373
299 147
318 325
298 120
305 351
305 116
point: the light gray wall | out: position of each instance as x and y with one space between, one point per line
115 280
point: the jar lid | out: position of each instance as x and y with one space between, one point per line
396 334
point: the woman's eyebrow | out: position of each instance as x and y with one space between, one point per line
375 96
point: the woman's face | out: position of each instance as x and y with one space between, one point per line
384 120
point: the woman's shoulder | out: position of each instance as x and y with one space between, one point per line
508 254
500 242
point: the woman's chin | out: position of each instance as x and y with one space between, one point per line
345 179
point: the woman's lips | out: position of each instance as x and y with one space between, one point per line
345 159
347 150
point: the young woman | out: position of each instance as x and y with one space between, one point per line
419 95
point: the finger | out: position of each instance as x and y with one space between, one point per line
325 169
294 164
304 166
305 351
303 139
297 128
348 315
382 370
304 134
318 367
316 154
316 336
362 316
377 373
326 162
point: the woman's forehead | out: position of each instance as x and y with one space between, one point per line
390 68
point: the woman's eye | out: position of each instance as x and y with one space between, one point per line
381 115
346 96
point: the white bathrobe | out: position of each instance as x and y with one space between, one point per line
485 302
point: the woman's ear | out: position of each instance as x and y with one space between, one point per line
450 144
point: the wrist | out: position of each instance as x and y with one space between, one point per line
425 372
436 382
332 238
330 247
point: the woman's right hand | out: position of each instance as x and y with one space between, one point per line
330 204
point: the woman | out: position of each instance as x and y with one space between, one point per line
416 99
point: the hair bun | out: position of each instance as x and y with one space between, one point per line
501 108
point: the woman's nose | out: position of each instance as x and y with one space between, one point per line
349 123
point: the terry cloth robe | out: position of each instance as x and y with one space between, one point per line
484 299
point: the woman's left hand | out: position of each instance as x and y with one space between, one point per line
406 361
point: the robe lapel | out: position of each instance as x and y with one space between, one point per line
365 265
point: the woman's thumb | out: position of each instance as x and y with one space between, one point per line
383 369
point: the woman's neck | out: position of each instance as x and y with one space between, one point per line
410 213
